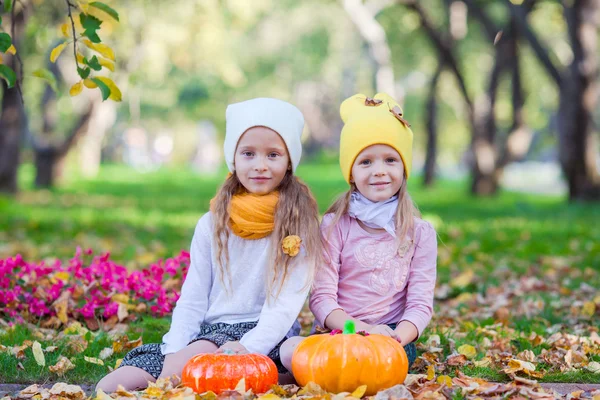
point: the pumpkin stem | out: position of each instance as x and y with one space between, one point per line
349 327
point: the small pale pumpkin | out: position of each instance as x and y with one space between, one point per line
343 362
222 372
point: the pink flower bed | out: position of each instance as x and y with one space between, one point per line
97 286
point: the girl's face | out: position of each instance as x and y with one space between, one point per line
378 172
261 160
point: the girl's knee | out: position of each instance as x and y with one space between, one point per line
108 384
290 344
286 351
102 385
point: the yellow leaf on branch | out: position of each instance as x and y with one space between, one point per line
64 28
103 49
107 64
115 92
56 51
90 84
76 89
84 7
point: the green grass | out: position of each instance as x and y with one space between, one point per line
132 214
150 329
140 217
571 377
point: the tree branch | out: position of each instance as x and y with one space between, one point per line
520 136
69 6
432 127
489 26
572 23
76 132
444 48
520 15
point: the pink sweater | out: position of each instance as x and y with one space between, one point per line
365 277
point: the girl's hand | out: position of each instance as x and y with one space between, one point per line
407 332
386 331
235 347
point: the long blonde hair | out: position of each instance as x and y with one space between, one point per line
296 214
405 213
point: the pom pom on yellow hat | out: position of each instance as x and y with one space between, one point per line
370 121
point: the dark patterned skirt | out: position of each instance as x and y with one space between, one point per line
149 357
411 353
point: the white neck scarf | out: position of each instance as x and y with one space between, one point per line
376 215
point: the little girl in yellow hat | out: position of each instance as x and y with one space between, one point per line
379 267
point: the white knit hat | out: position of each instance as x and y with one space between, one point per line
278 115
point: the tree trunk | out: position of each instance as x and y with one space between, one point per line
10 138
485 174
456 21
11 117
520 136
447 56
49 158
432 132
48 155
374 35
484 181
578 148
46 162
491 154
578 88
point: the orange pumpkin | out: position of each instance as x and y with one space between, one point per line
222 372
343 362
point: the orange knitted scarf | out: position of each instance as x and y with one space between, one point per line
252 216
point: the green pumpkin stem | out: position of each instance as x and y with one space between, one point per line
349 327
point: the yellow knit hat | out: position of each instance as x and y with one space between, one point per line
369 121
